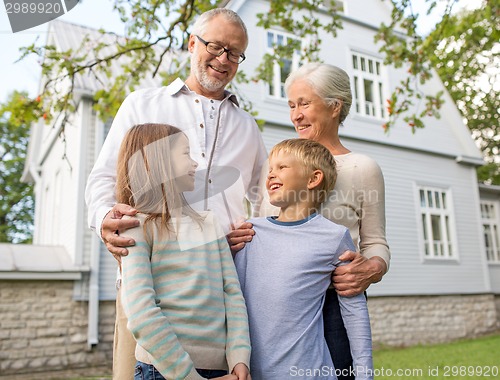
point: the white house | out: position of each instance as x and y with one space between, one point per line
444 280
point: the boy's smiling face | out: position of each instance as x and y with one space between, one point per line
287 180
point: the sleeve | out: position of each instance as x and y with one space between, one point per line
151 329
372 223
238 334
100 189
257 186
354 311
240 262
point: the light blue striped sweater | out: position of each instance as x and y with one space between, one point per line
183 300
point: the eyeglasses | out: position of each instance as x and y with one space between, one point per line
217 50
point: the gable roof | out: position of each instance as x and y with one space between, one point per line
65 36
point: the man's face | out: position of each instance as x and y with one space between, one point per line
213 73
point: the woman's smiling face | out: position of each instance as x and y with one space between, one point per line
309 113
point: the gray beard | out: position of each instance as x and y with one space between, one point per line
211 85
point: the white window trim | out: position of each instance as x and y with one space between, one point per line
455 257
276 69
357 87
491 222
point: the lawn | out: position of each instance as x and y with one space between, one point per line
467 359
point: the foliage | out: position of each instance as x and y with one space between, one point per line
467 48
16 198
157 33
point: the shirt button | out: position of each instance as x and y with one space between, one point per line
211 116
209 181
201 125
211 100
196 101
203 155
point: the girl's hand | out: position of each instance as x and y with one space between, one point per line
242 371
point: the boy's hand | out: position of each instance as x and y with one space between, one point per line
113 225
239 236
354 278
242 371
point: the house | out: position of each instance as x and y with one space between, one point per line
444 280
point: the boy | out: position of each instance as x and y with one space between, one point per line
286 269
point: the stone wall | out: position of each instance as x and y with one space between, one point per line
412 320
497 304
43 329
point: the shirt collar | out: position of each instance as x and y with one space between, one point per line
178 85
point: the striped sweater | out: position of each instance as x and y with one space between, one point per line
183 300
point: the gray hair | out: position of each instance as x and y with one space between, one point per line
330 83
201 23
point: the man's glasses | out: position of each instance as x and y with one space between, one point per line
217 50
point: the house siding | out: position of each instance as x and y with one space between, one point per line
59 162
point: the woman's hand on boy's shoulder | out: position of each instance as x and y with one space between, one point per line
354 278
239 236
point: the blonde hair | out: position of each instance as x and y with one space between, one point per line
314 156
145 178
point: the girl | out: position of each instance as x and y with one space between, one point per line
180 290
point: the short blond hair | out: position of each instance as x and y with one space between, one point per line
314 156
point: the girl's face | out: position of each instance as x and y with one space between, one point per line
311 117
183 166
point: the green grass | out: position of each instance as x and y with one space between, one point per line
436 362
467 359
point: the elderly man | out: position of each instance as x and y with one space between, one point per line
224 139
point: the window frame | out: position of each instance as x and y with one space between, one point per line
374 72
446 217
493 222
278 82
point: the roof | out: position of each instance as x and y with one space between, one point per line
37 262
66 36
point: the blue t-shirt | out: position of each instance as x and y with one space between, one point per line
284 274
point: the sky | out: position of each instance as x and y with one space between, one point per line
25 75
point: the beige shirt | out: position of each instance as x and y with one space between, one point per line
357 202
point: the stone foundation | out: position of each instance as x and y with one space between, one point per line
43 331
412 320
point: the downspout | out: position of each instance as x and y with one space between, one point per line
95 248
93 330
87 123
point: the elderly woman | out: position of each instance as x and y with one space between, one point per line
319 97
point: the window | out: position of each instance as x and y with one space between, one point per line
489 216
368 86
281 71
437 223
